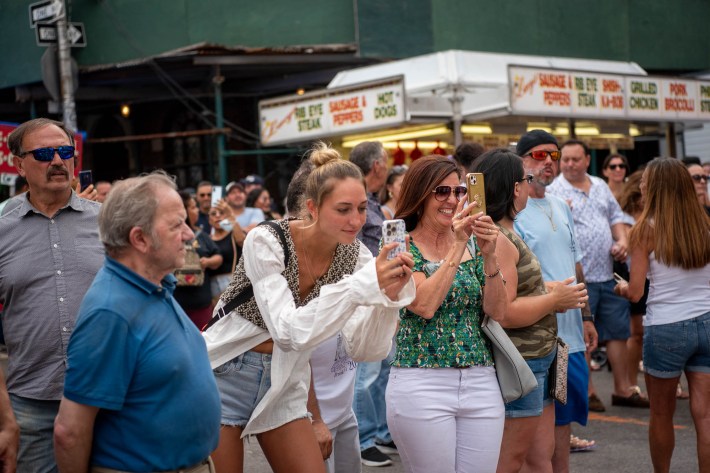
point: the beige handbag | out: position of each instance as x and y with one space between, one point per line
191 273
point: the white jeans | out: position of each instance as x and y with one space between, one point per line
346 448
446 420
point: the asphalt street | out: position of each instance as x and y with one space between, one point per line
621 435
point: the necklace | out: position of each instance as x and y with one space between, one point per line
548 215
310 271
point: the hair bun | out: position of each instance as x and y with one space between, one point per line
321 154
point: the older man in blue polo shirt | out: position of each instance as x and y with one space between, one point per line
139 394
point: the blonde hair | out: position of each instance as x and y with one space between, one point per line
673 222
328 167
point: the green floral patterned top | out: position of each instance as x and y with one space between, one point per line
452 338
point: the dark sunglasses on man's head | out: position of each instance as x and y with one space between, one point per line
541 155
441 193
47 154
700 177
613 167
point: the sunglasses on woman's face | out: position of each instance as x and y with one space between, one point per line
700 177
47 154
528 178
614 167
441 193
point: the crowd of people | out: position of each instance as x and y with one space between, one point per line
151 328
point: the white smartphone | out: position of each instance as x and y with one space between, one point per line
216 195
394 231
619 279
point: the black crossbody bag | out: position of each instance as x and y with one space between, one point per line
248 292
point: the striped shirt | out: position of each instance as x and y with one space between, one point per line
46 266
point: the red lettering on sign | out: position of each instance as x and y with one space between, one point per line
561 99
347 117
678 89
344 104
556 81
611 86
613 101
680 105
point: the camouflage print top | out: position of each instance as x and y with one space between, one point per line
538 339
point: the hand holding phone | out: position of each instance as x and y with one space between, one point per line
394 231
85 179
216 195
476 191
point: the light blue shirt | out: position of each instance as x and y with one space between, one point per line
249 216
557 252
594 214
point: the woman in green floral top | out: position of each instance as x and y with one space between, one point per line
444 407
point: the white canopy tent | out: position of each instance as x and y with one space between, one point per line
459 85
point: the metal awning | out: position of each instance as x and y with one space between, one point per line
467 85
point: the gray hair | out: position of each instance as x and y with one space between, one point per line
365 154
131 203
14 140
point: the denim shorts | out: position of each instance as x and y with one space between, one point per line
611 312
670 349
532 404
242 383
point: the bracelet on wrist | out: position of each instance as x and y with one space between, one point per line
587 318
496 273
451 263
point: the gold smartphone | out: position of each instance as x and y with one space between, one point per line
476 191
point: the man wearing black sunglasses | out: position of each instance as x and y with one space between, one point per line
49 254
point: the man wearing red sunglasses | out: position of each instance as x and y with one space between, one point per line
547 227
49 254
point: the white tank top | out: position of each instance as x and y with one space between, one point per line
676 294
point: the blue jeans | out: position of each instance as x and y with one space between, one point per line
369 402
36 421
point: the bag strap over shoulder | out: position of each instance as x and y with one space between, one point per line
248 292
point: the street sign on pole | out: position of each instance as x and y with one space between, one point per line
46 34
47 11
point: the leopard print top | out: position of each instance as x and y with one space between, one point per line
344 261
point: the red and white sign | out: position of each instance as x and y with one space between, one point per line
6 164
554 92
329 112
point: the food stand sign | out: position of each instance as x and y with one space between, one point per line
6 164
330 112
554 92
